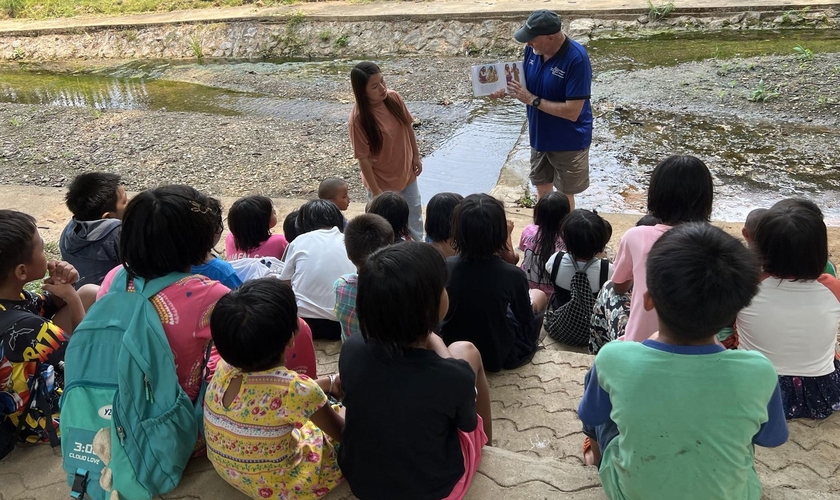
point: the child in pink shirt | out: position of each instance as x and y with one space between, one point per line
681 190
541 240
164 231
250 220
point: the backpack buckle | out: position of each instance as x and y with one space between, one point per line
80 481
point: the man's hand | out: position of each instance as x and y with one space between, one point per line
520 93
497 94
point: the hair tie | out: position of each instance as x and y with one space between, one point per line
198 208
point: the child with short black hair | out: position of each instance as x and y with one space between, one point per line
393 207
541 240
748 232
491 304
289 229
213 267
166 231
314 260
270 432
34 328
250 220
335 190
794 318
363 235
418 412
585 234
655 410
90 241
681 190
439 212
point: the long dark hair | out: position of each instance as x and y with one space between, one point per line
359 77
549 213
248 220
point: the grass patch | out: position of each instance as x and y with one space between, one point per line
195 45
762 93
804 54
46 9
658 12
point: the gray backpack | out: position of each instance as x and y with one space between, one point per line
569 323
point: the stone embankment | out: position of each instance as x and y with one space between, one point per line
297 34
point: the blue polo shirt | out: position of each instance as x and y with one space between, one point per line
566 76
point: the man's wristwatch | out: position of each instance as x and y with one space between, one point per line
536 102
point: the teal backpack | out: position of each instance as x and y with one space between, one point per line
120 374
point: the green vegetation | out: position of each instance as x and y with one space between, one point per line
762 93
527 201
45 9
325 36
657 12
803 54
341 41
195 45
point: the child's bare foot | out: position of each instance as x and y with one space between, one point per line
591 452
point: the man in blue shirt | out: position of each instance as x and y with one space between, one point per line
558 79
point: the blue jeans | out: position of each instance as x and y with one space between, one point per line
603 433
411 193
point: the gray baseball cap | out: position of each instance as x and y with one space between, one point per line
540 22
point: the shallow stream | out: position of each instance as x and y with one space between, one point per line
752 168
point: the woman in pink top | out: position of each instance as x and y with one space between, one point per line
384 143
681 190
250 220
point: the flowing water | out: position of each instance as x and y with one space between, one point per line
487 134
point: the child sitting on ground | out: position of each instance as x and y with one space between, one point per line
418 413
271 432
540 240
490 303
337 191
34 328
90 241
313 262
363 235
677 417
393 208
168 230
578 276
213 267
250 220
289 230
794 318
681 190
439 212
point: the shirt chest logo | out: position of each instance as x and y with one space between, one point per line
559 73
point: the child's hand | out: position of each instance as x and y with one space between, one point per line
61 272
509 226
63 291
337 390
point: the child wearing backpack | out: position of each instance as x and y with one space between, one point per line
271 433
794 318
490 303
418 412
213 267
90 241
541 240
34 329
678 416
578 275
250 220
363 235
681 190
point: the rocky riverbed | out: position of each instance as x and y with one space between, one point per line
286 129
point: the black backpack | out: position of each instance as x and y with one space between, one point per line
39 405
570 322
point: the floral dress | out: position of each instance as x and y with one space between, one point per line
264 444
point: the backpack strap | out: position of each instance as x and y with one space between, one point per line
147 289
555 268
605 269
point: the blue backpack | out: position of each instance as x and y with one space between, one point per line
120 375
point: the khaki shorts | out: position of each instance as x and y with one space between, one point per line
567 170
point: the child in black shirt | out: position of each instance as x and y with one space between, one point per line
491 304
418 413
